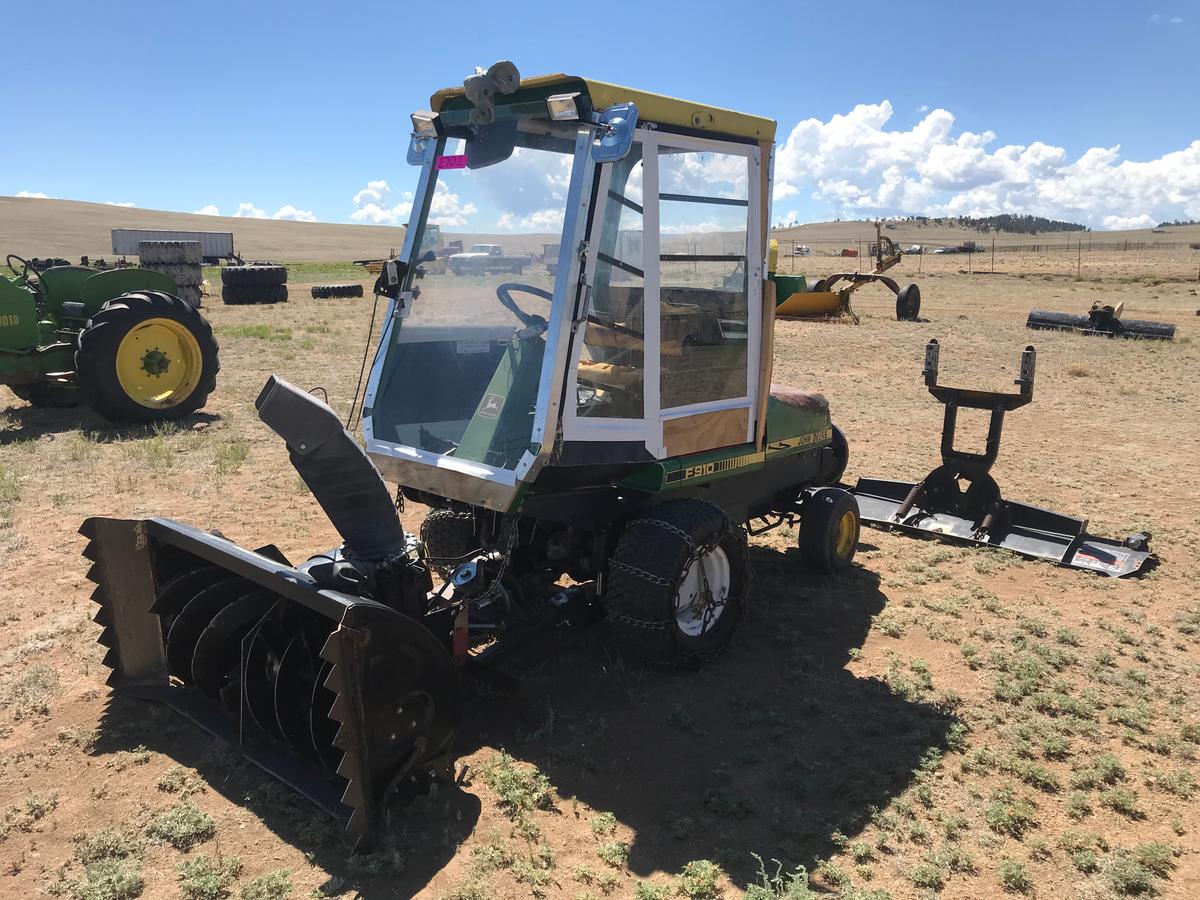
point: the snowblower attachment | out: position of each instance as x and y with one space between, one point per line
328 675
1102 319
978 514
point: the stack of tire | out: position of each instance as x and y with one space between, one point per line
322 291
255 283
180 260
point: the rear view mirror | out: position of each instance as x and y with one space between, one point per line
490 144
614 136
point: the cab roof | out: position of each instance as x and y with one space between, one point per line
658 108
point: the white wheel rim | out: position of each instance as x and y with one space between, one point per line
690 599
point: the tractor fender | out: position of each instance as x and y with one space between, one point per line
104 286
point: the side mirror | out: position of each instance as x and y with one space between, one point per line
419 147
614 134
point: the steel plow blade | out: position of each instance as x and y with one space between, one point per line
1028 530
346 700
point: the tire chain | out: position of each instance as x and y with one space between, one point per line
694 555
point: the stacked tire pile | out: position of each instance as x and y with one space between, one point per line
180 260
255 283
322 291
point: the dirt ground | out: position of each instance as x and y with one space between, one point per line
937 721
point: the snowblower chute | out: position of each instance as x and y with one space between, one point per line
329 675
960 501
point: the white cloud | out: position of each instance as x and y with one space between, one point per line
853 165
374 192
1176 20
209 209
33 195
1125 223
291 214
446 209
127 204
249 211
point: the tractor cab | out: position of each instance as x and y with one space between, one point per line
641 341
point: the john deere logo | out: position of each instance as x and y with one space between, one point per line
490 407
9 320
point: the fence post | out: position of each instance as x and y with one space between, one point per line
993 272
1078 258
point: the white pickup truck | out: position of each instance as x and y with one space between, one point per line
484 258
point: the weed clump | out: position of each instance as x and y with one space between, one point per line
183 826
208 879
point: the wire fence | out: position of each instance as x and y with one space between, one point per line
1085 254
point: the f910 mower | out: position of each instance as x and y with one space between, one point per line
117 340
613 423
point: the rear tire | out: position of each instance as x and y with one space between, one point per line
829 527
817 287
653 590
169 333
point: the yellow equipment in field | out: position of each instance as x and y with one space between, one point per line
796 298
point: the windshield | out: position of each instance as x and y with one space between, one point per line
461 373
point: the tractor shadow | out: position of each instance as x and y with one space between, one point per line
33 422
773 749
417 843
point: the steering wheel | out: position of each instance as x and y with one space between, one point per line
26 271
535 325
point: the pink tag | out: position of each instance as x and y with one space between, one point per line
452 162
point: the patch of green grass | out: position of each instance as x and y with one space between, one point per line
1179 783
1078 806
106 843
230 455
1010 814
271 886
181 781
1122 800
29 694
110 879
183 826
614 853
209 879
25 816
603 823
258 332
520 789
699 880
1014 877
926 875
1104 769
644 890
1133 872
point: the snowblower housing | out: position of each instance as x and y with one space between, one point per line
602 329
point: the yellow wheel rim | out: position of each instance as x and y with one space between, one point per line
847 531
159 363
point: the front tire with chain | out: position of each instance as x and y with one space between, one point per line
676 585
449 537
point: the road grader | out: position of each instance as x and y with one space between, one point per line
594 443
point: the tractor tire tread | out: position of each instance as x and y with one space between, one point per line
642 611
99 340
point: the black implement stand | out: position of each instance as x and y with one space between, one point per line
959 500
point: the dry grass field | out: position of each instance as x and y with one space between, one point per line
939 721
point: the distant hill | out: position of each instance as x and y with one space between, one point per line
71 228
1007 223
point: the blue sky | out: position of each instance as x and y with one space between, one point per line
181 106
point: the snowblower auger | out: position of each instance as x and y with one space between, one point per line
328 675
1102 319
939 505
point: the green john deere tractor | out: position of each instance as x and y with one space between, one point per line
117 340
595 444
